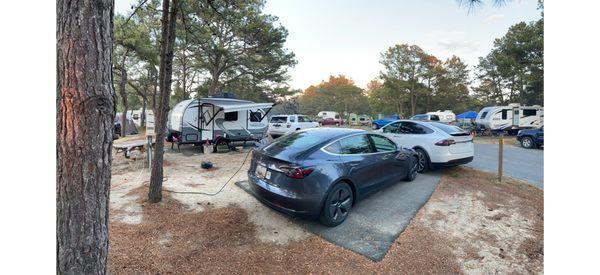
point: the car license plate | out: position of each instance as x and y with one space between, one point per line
262 172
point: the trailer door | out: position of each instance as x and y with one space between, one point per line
516 117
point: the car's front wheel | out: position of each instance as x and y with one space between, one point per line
422 160
527 142
337 205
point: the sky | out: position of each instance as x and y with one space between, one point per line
347 36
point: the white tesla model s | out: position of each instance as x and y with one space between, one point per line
437 144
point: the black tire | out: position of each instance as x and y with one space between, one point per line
337 124
412 170
422 160
527 142
337 205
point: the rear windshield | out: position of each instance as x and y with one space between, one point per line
450 129
279 119
298 140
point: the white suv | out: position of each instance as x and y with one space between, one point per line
283 124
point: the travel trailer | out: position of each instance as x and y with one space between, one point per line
136 115
356 119
446 116
219 121
328 114
510 118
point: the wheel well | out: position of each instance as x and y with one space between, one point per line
352 187
426 154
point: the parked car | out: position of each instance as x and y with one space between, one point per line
531 138
378 123
425 117
437 144
324 172
283 124
332 121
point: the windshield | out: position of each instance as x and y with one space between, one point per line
279 119
297 140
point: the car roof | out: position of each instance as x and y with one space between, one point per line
334 132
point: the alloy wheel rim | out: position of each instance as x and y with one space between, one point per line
421 162
340 204
527 142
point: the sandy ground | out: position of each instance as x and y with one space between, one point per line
470 225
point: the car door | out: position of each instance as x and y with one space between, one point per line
394 166
361 161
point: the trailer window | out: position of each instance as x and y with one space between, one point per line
483 115
529 112
255 116
231 116
504 114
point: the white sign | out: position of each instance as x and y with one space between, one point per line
150 131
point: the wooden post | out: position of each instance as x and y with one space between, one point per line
500 157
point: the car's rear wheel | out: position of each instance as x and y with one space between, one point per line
337 205
527 142
422 160
413 170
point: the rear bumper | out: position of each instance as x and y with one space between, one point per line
284 201
453 162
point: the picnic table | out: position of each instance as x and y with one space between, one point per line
128 146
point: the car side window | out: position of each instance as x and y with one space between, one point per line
292 119
358 144
301 119
383 144
414 128
392 128
333 148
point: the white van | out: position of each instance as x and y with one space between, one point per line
283 124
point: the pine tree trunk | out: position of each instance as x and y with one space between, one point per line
84 131
165 74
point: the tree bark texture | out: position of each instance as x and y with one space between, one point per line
85 106
165 77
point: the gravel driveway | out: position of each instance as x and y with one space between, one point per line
519 163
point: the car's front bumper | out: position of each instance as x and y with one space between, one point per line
284 201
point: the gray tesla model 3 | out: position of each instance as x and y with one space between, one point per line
322 172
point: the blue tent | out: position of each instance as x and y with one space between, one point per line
467 115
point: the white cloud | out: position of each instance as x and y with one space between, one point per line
459 45
493 17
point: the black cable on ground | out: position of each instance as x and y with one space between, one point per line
222 187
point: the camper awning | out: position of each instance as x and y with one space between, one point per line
243 107
234 105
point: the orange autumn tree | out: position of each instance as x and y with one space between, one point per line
338 93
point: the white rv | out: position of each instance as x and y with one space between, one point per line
446 116
217 120
511 117
136 115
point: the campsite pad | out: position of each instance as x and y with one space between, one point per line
376 221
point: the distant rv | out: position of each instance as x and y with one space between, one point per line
446 116
510 118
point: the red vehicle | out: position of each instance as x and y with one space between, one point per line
332 121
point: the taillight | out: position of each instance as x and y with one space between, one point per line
445 142
296 172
